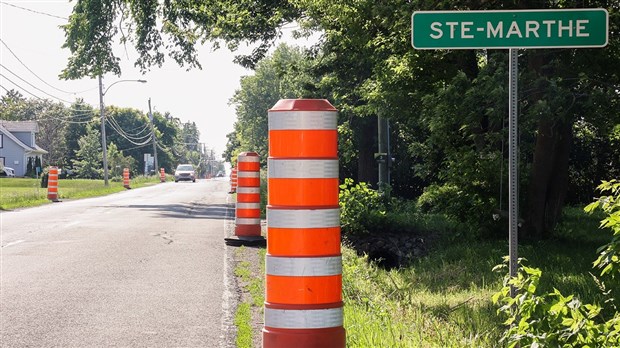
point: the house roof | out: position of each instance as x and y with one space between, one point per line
20 126
36 150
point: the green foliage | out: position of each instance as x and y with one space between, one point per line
362 209
117 161
281 75
551 319
555 320
609 255
89 156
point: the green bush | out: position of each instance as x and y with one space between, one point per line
361 208
466 207
555 320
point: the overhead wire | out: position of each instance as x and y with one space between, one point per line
33 11
33 86
133 135
121 130
37 76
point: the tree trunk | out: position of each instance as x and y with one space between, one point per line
367 140
549 178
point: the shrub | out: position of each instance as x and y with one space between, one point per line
361 207
555 320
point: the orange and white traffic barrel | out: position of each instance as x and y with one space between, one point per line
233 180
162 175
126 178
247 222
52 184
303 301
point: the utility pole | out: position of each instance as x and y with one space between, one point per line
103 137
383 155
156 168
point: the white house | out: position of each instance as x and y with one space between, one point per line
17 145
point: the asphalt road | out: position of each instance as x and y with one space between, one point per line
141 268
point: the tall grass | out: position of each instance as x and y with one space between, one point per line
25 192
444 299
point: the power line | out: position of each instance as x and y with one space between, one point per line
120 132
33 11
33 86
22 88
37 76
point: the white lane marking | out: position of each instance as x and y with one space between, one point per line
14 243
72 223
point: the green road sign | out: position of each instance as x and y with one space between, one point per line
571 28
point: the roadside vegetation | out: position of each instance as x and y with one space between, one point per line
25 192
250 272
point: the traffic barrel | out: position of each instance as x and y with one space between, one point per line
126 178
247 222
52 184
162 175
303 286
233 180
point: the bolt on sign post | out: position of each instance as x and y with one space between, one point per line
162 175
233 180
303 300
52 184
512 30
126 178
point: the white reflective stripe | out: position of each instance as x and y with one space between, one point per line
248 190
247 221
52 186
302 169
248 159
248 205
248 174
303 218
322 120
303 266
303 319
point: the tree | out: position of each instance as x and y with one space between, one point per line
89 156
117 161
449 132
282 75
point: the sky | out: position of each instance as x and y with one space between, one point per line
32 33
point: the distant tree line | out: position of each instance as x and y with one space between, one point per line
71 135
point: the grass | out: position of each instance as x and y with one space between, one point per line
243 317
26 192
252 285
444 298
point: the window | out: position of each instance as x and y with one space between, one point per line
1 141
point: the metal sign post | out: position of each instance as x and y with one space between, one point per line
513 161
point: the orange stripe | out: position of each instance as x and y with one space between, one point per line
303 241
303 143
248 213
52 189
249 166
248 197
248 182
303 290
303 192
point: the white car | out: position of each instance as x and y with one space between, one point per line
185 172
8 172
